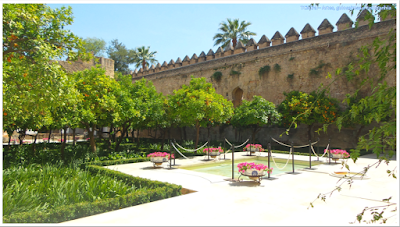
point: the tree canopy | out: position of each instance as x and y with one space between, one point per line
33 35
95 45
143 57
198 104
255 114
122 56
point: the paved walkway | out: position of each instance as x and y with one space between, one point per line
282 200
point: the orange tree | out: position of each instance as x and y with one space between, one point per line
198 104
302 108
98 103
254 114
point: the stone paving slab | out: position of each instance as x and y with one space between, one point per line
282 201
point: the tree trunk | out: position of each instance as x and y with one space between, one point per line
101 133
143 64
63 141
49 136
163 131
73 137
120 139
184 133
138 140
91 138
309 132
34 144
234 42
21 136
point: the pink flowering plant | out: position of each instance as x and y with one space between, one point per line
338 151
212 149
251 165
248 146
160 154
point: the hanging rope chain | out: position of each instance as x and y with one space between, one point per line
293 146
190 150
236 146
287 161
326 150
178 150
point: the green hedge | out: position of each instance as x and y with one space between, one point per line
115 162
148 191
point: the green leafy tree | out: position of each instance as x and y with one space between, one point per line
95 45
198 104
302 108
33 35
233 30
144 57
97 103
122 56
254 114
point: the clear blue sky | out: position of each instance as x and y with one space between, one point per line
177 30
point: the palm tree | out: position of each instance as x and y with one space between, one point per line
233 31
144 56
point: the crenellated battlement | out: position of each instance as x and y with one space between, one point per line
292 37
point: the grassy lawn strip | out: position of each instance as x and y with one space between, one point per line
53 194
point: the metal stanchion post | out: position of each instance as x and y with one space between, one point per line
233 161
309 148
318 151
208 152
329 154
224 150
269 155
292 157
170 157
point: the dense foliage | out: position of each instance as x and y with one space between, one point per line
254 114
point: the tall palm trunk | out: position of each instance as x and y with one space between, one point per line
144 64
234 42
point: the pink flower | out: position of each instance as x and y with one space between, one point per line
160 154
212 149
248 146
338 151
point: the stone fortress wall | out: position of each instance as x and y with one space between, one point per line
304 64
79 65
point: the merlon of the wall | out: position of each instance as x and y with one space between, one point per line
186 61
210 55
228 50
239 48
219 53
251 45
361 18
344 22
292 35
307 31
277 39
325 27
264 42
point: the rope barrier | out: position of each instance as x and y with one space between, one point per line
190 150
324 152
242 144
286 161
178 150
293 146
237 146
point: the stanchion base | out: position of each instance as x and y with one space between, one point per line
231 180
295 173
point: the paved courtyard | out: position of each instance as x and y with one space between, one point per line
280 200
